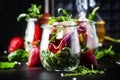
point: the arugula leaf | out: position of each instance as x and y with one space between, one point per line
64 16
81 70
6 65
60 60
63 11
105 52
55 35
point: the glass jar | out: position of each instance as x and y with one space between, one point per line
92 38
60 48
29 33
88 36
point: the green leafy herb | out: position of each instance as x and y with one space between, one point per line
105 52
81 70
64 16
51 20
6 65
33 12
60 60
55 35
18 55
91 16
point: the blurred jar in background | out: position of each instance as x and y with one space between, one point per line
100 30
29 33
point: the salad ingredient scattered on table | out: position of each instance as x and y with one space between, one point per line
34 57
7 65
19 55
81 70
107 52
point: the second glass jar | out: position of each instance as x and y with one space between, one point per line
60 48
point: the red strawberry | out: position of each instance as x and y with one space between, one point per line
88 59
16 43
34 57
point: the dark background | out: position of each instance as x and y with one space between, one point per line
9 11
9 27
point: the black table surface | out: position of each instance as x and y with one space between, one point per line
111 68
112 72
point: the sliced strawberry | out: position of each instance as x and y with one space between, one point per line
34 57
88 59
16 43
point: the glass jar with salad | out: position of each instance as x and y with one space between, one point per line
60 48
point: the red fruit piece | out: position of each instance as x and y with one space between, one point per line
34 57
78 22
38 33
53 48
59 44
16 43
88 59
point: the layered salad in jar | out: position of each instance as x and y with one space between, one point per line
64 40
60 48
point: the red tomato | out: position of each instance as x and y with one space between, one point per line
16 43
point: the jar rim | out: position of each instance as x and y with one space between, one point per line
32 19
58 26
